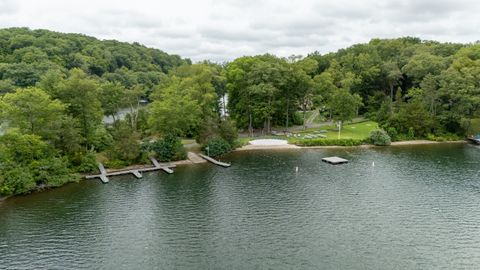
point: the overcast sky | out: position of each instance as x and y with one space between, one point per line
221 30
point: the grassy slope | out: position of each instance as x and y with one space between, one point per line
350 131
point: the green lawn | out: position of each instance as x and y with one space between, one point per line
357 131
354 131
349 131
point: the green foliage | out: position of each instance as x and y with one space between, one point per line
443 137
216 147
27 162
379 137
344 105
392 133
228 131
126 143
33 111
16 180
29 54
411 133
184 100
326 142
168 148
81 93
88 163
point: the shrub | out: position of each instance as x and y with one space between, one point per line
88 162
379 137
216 147
16 180
169 148
411 133
125 146
392 132
443 137
228 131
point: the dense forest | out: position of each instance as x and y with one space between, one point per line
55 90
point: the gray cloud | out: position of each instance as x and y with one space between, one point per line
222 30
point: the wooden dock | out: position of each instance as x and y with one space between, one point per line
165 168
214 161
334 160
136 172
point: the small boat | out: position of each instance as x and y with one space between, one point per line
474 139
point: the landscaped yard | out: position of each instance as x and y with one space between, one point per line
349 131
355 131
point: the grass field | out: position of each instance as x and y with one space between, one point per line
356 131
359 130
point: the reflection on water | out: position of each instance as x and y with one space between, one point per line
417 208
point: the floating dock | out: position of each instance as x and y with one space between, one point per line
214 161
136 172
334 160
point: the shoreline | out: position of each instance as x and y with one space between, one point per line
250 147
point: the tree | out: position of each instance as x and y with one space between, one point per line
112 97
344 105
27 162
174 110
82 96
422 64
34 112
393 75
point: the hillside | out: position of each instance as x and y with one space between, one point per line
26 55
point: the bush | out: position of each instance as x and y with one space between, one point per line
88 163
379 137
169 148
228 131
392 132
125 146
443 137
216 147
16 180
327 142
411 133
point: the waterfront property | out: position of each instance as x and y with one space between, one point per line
136 172
261 214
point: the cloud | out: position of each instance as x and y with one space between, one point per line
8 7
222 30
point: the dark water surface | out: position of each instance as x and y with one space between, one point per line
417 208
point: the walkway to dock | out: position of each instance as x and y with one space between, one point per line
136 172
194 158
214 161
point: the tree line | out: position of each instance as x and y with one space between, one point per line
55 90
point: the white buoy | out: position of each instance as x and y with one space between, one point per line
373 163
296 169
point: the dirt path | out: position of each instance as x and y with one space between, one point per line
312 117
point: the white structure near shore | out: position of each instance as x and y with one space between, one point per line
268 142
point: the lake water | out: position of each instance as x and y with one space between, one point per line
417 208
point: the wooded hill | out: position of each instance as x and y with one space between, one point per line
55 89
26 55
